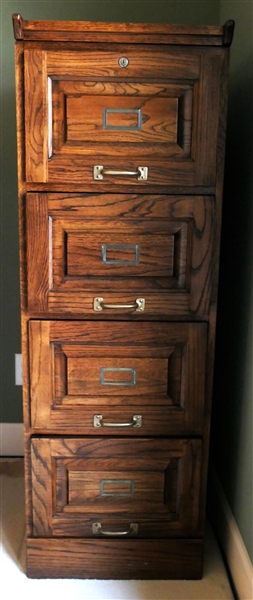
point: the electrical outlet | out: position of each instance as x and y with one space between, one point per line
18 369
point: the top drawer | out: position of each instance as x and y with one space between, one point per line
119 108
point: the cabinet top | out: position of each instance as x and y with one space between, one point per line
148 33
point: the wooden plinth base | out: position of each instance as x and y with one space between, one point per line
114 559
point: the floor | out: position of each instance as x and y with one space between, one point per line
15 584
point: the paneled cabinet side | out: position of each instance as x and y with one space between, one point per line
20 132
220 161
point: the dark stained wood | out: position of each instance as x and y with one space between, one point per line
215 275
208 115
154 483
177 78
228 32
114 559
42 487
124 188
18 25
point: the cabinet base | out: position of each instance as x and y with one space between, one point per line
114 559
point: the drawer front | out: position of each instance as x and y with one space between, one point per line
91 488
119 248
160 111
109 378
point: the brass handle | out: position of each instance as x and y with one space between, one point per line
97 529
136 422
99 305
141 173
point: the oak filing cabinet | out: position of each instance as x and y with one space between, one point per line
121 132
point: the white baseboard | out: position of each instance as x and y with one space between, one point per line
230 539
11 439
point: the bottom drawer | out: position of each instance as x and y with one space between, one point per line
108 487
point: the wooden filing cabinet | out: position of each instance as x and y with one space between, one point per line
121 132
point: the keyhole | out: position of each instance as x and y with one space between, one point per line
123 62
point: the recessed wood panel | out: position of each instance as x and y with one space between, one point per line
95 117
106 376
91 490
90 118
129 253
161 491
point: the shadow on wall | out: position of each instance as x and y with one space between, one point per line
235 289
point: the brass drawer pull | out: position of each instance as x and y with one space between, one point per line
99 305
141 173
136 422
97 529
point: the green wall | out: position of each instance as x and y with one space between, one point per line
232 450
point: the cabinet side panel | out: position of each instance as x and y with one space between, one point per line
208 117
220 154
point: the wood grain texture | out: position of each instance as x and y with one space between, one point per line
174 137
38 231
87 116
145 62
67 390
20 132
162 479
86 96
41 384
18 24
114 559
130 32
36 115
41 487
215 271
67 233
177 77
208 118
85 123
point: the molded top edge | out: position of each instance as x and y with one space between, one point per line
146 32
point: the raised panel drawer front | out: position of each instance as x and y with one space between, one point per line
112 488
119 248
91 121
117 378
